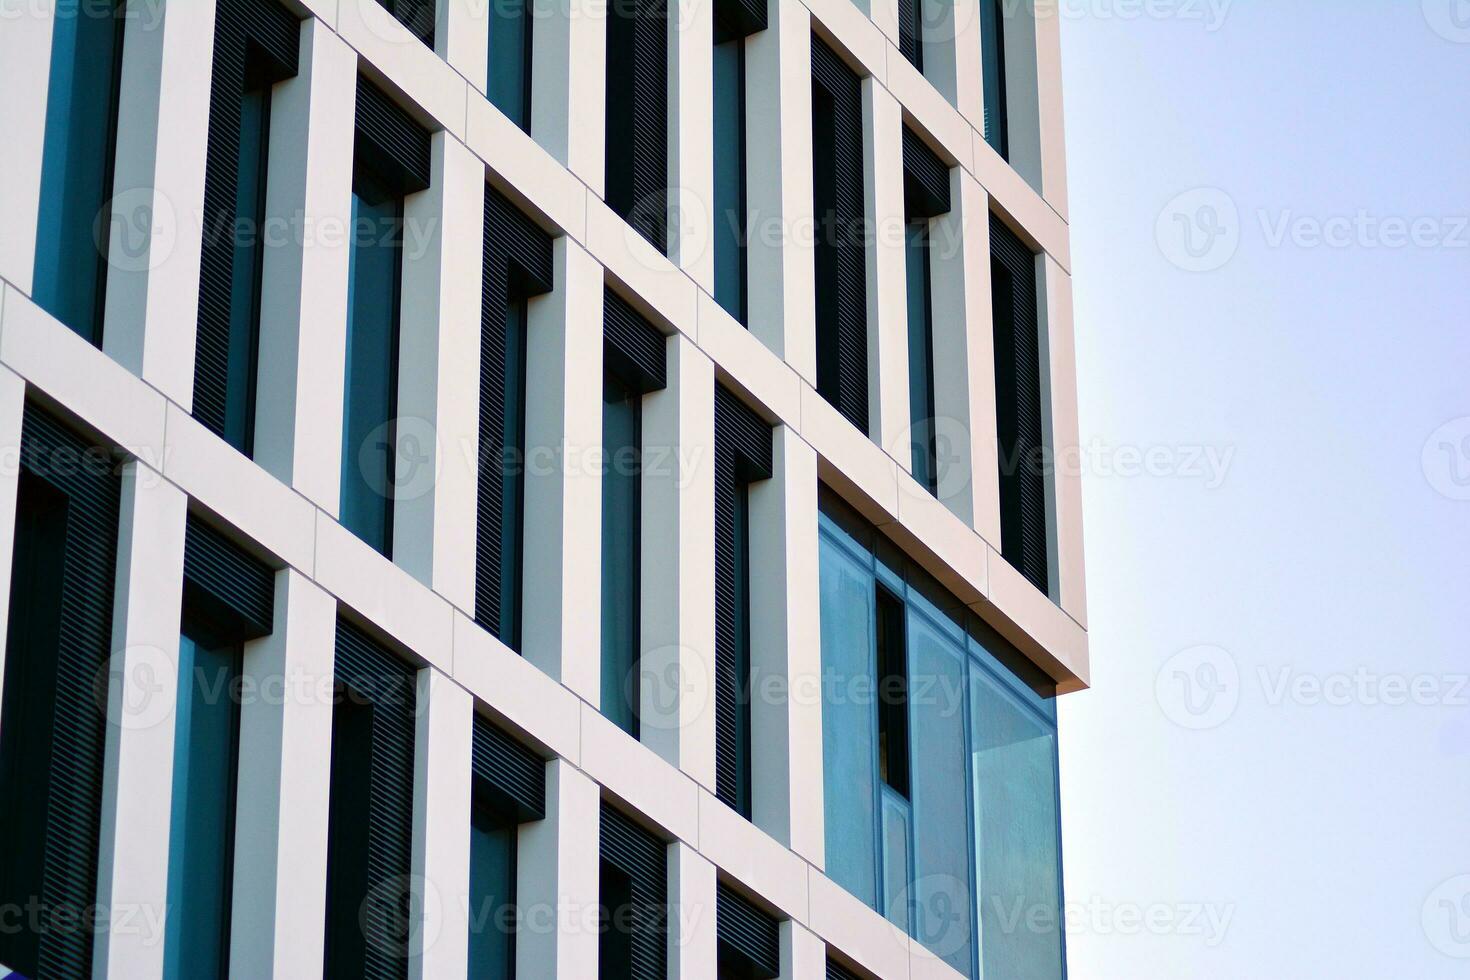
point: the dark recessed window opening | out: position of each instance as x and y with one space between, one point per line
509 82
636 163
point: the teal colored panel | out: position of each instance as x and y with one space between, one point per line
245 271
849 719
730 216
621 502
937 697
921 355
492 896
370 399
512 472
76 169
202 825
1017 844
897 860
510 60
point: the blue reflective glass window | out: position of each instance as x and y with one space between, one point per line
993 74
730 198
1016 819
742 650
897 862
921 355
513 473
849 721
492 895
76 169
941 891
202 826
239 430
371 395
509 83
621 526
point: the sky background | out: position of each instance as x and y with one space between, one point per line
1272 770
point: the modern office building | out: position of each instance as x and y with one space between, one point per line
536 488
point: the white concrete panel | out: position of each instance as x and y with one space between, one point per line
632 772
1050 115
785 650
436 454
677 594
432 91
142 694
888 338
462 38
691 139
693 939
1066 478
157 208
557 879
569 84
25 60
864 936
280 880
751 857
1023 92
980 358
803 954
561 607
442 789
525 172
748 365
778 160
303 318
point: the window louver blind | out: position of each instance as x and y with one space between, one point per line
416 15
836 971
517 264
925 178
747 932
226 586
514 774
1023 530
255 42
81 475
841 260
639 854
738 18
638 116
371 674
635 349
389 142
911 32
742 455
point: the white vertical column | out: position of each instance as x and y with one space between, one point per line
964 381
439 942
677 627
280 899
303 317
803 954
462 38
569 84
156 225
888 342
142 692
785 650
561 571
883 13
778 160
691 138
693 937
25 67
984 434
557 872
1023 93
1059 373
1050 116
12 418
952 54
436 464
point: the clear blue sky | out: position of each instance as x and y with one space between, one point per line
1272 770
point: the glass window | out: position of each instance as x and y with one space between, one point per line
513 475
29 711
202 827
849 723
921 355
492 893
615 943
742 650
509 84
621 526
348 842
993 74
76 170
1017 844
730 199
371 395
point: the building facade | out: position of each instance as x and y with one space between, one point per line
535 488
